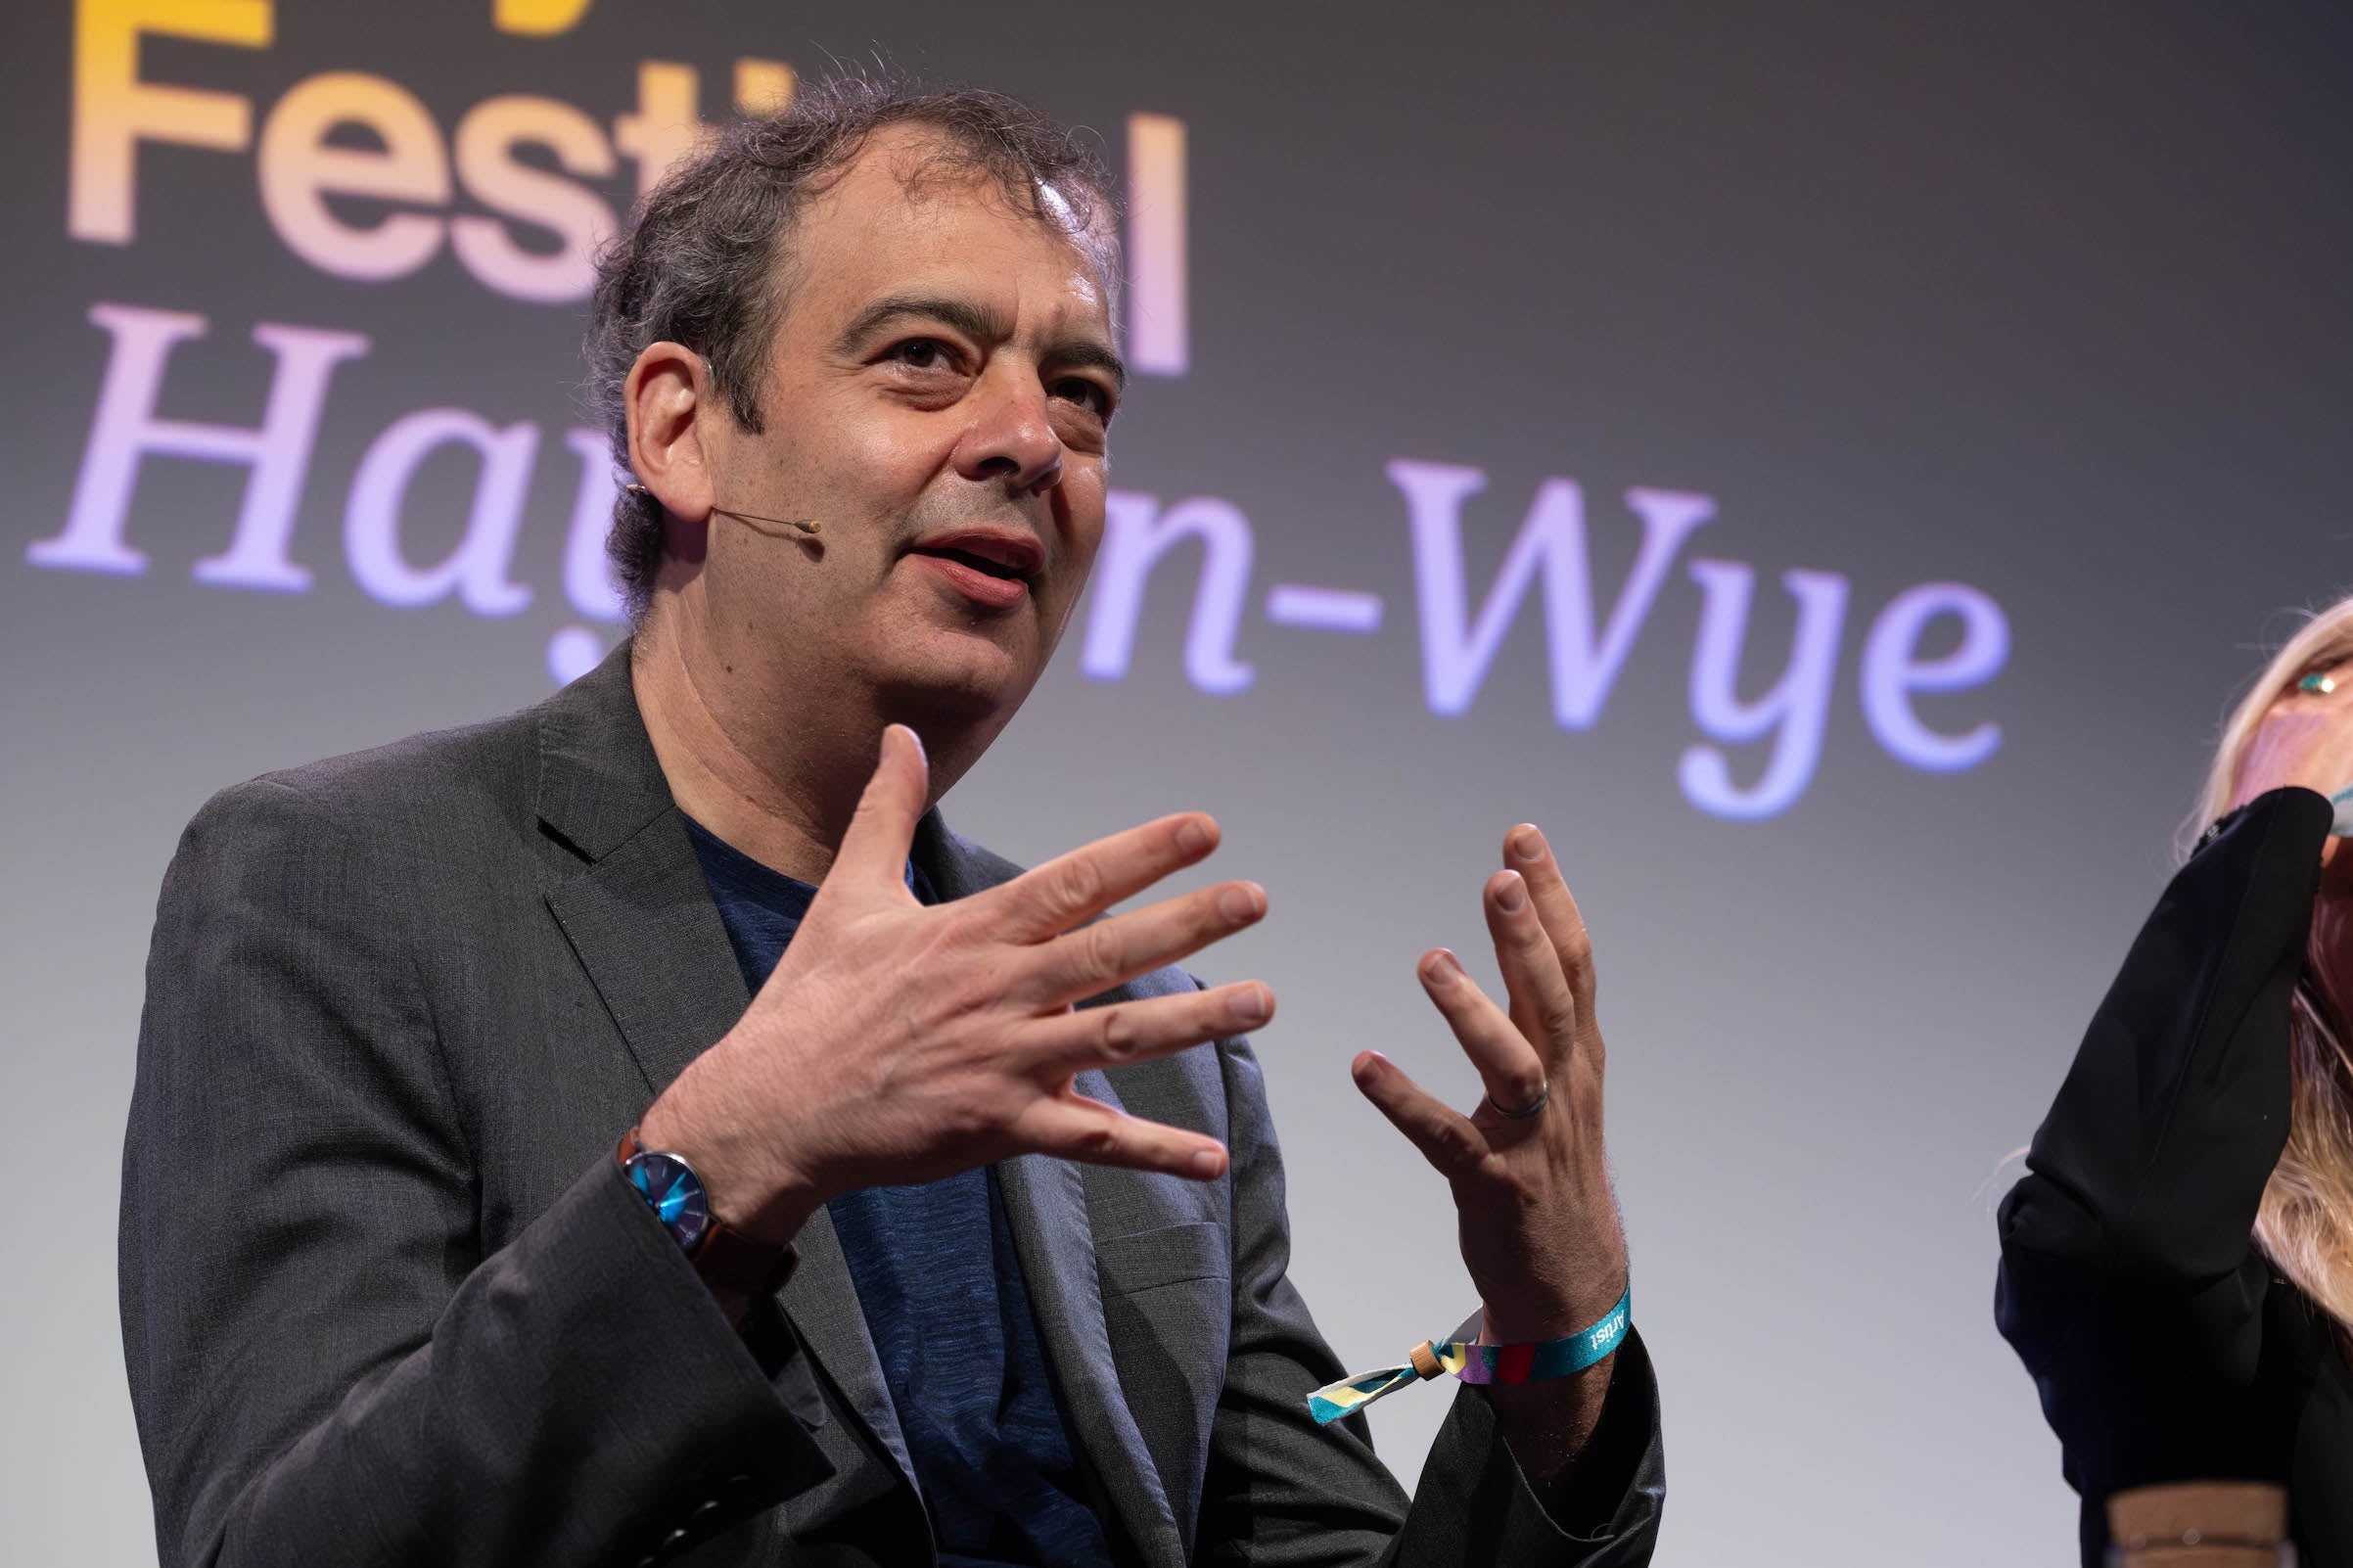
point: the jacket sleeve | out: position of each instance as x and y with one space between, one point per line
2130 1283
1283 1493
323 1366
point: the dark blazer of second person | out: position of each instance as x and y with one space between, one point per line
2177 1265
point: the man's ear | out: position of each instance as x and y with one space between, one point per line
667 389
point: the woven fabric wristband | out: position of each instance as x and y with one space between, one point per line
1474 1363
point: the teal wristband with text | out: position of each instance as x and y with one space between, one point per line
1474 1363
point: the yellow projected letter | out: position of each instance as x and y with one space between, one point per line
763 86
299 167
537 19
664 128
486 139
1157 333
112 109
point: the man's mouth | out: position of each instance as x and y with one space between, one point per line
975 559
991 568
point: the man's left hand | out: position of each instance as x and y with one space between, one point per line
1539 1224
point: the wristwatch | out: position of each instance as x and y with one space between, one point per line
725 1257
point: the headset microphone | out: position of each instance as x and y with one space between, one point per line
807 526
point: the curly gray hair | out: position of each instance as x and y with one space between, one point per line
703 261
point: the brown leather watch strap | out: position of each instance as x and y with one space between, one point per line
726 1259
729 1260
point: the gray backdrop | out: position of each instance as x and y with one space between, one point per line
2046 302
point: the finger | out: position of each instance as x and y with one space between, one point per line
874 851
1445 1136
1542 1005
1133 1031
1072 1127
1071 888
1526 852
1097 956
1510 1068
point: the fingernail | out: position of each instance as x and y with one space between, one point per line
1512 894
1207 1162
1253 1007
1242 902
1442 968
1193 838
1526 841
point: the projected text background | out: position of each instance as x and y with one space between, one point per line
1828 468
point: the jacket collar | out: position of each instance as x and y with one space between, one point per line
599 782
1045 1208
643 923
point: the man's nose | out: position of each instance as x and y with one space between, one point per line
1012 436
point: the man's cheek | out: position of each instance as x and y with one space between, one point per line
1079 509
1072 577
1083 555
890 453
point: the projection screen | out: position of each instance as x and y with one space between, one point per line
1828 465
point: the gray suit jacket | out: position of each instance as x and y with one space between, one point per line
387 1299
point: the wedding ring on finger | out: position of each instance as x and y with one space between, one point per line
1544 1097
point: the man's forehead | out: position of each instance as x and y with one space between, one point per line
910 215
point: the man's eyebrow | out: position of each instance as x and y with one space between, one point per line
1088 353
974 321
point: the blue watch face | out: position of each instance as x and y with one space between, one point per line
676 1192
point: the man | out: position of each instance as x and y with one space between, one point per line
946 1221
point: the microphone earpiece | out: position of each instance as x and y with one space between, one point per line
807 525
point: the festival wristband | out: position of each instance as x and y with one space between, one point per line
2342 801
1474 1363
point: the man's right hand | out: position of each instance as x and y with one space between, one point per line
897 1043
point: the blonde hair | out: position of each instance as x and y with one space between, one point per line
2305 1224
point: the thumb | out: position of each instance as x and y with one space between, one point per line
882 830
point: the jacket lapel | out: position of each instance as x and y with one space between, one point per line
641 920
643 923
1045 1207
821 1301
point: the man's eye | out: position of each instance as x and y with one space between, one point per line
1087 393
921 354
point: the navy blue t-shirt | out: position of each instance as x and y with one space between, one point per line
943 1296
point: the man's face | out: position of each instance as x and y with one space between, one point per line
939 391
